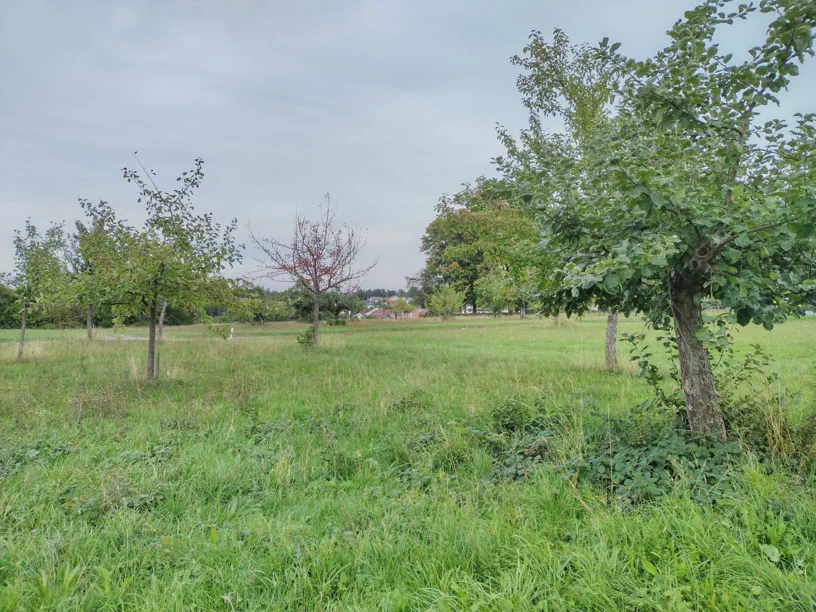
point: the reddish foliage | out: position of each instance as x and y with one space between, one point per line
320 256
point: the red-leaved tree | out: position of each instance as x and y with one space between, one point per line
321 257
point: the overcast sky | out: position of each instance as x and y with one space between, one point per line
386 104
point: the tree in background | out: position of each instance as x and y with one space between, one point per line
364 294
38 270
340 306
86 285
447 301
494 292
525 289
473 233
335 307
686 194
255 304
400 308
176 256
422 285
8 305
573 83
320 257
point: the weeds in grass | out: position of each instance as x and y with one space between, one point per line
465 478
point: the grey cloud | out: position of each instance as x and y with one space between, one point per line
385 104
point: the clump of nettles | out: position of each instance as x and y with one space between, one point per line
306 337
632 467
650 451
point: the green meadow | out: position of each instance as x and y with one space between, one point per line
416 465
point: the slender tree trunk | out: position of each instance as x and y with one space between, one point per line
89 321
612 341
151 343
522 312
161 320
557 319
22 331
261 320
702 406
316 321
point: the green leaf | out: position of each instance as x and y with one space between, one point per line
772 552
802 230
645 204
638 190
744 316
611 282
658 199
649 567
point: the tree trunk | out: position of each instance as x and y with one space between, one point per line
316 322
557 320
89 321
702 406
522 312
161 319
151 344
22 331
261 320
612 341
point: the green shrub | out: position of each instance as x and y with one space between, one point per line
634 473
306 338
511 416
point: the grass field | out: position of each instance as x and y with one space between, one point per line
256 475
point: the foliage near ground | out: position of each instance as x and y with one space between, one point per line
477 471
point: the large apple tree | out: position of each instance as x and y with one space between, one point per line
693 189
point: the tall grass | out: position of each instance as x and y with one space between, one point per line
256 475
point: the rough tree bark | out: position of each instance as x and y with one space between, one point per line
612 341
316 319
702 405
151 343
89 321
22 331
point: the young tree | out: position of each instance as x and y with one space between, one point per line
400 308
176 256
320 257
573 83
525 289
447 301
688 194
255 304
38 269
494 292
86 286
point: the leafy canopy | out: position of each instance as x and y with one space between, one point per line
685 186
176 255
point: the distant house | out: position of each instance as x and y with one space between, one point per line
378 313
419 312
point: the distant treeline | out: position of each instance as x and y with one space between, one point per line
290 305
